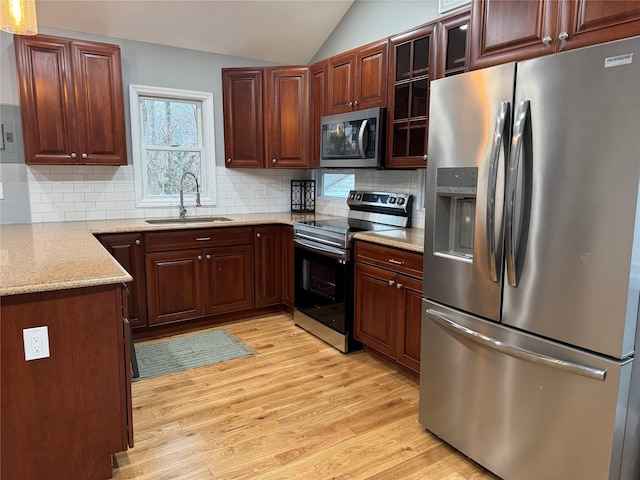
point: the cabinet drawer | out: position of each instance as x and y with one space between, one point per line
398 260
209 237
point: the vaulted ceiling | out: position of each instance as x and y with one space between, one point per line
280 31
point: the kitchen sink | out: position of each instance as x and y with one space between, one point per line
188 220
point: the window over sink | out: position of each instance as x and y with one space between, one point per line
171 133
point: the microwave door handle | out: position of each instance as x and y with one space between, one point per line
512 184
499 139
361 138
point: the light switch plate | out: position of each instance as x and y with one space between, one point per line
36 343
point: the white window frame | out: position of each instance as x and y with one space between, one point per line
208 152
319 177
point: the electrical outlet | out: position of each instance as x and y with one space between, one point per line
36 343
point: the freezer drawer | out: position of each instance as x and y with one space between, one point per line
524 407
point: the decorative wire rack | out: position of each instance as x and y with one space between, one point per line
303 196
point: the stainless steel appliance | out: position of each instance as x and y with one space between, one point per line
324 267
532 265
353 140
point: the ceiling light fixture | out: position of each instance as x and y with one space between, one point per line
18 17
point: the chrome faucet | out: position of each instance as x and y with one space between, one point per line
183 211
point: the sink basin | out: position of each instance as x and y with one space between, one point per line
187 220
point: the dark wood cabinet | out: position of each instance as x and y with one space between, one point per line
388 298
288 278
268 265
317 108
417 57
128 250
243 117
504 31
287 117
65 415
194 273
358 79
71 101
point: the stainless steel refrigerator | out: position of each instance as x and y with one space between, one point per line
532 265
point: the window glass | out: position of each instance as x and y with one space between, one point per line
336 185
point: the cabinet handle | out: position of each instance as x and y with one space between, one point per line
396 262
274 161
199 257
546 40
208 257
258 235
84 155
138 242
73 155
424 157
399 286
391 283
563 36
203 239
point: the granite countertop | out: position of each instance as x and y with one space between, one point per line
40 257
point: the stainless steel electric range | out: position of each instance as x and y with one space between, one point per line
324 267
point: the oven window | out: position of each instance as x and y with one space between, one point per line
321 288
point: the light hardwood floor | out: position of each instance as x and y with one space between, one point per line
298 410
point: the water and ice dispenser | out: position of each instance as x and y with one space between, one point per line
455 215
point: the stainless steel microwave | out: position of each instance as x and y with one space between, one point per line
353 140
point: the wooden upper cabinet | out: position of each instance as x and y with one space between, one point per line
504 31
317 108
453 45
287 117
243 117
71 100
358 79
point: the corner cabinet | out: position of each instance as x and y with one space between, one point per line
266 117
71 101
388 303
358 79
518 30
417 57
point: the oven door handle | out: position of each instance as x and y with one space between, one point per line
326 250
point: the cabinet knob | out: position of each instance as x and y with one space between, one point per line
258 235
546 40
228 160
199 257
351 104
563 35
208 257
138 242
274 161
73 155
424 157
398 286
356 103
391 283
84 155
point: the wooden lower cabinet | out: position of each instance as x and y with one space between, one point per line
288 278
388 302
64 416
268 266
228 279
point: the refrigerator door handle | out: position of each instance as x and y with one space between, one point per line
515 351
499 138
514 163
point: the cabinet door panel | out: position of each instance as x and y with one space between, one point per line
228 279
588 22
409 323
507 31
288 117
372 71
317 108
375 308
341 75
243 117
174 286
46 100
99 104
268 266
288 278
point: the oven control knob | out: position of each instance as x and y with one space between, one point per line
401 201
358 196
392 200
